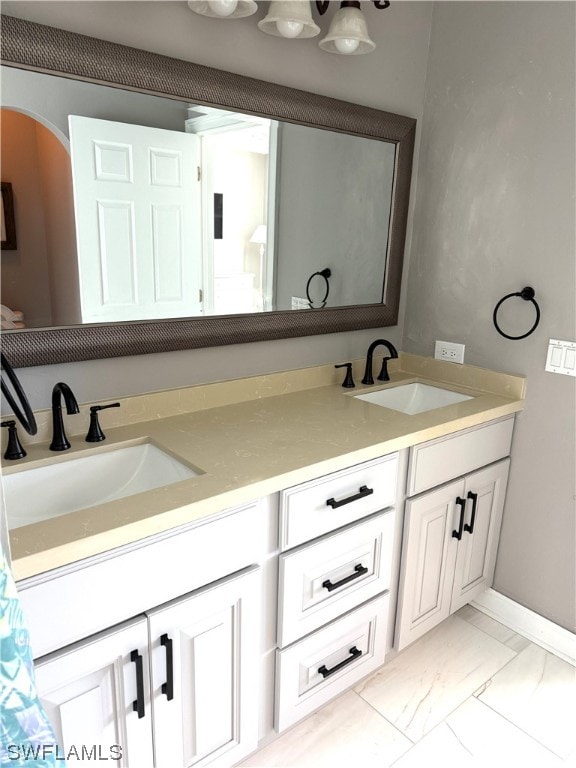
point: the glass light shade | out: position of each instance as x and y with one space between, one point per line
289 18
223 9
348 33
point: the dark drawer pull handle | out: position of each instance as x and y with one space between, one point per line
168 686
462 503
359 570
474 497
363 491
354 654
138 705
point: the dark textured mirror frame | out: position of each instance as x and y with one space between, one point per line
48 49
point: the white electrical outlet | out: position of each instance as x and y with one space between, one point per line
298 303
447 350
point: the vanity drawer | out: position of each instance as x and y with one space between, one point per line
321 581
322 505
314 670
446 458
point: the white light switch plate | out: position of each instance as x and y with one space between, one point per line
561 357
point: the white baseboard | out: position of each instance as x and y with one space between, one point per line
531 625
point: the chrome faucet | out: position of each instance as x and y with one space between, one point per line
383 375
59 440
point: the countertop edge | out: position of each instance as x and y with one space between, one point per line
36 563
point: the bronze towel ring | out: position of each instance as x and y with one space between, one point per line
528 295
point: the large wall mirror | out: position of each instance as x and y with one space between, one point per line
164 205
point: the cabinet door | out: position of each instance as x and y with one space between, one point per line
485 491
428 560
204 651
90 691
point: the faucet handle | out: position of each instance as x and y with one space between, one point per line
95 434
384 375
14 448
348 382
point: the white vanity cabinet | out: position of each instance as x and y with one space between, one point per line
451 532
173 688
88 691
193 646
336 537
155 647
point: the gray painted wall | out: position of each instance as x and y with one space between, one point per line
335 193
494 213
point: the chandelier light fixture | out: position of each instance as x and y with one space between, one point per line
292 19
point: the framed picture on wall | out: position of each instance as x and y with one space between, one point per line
7 223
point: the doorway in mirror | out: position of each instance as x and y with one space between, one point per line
238 190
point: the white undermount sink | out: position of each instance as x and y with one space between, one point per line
413 398
41 493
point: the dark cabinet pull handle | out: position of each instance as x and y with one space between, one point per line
363 491
462 502
354 654
359 570
138 705
474 497
168 686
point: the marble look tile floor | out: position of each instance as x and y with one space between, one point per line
469 693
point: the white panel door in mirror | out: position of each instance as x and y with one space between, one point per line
138 244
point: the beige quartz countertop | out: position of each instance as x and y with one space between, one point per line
249 449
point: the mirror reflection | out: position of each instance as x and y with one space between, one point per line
130 206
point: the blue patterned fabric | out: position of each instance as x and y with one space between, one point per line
26 736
